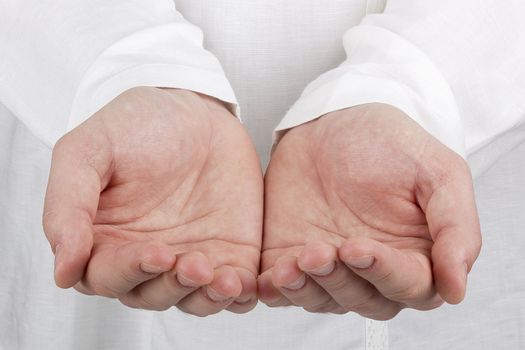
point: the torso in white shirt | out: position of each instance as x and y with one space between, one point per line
270 50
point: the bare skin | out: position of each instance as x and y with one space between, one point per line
157 200
366 212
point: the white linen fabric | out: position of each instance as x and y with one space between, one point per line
455 67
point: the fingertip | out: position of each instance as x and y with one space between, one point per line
194 269
247 300
450 269
451 282
266 290
358 253
63 279
286 273
70 265
317 256
401 276
71 242
238 307
451 295
66 278
157 258
225 285
249 285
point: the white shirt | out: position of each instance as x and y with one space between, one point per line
455 67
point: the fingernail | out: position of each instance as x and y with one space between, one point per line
186 282
465 271
298 283
324 270
362 262
215 296
151 268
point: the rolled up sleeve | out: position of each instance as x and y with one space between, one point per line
454 67
63 60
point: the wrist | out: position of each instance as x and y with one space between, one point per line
212 103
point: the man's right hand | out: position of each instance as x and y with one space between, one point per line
157 200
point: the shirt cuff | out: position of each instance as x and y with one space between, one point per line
385 68
125 65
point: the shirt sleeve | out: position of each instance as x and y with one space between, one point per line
455 67
62 60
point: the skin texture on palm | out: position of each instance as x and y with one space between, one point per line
157 200
366 212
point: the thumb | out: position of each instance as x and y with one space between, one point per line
71 238
71 202
450 209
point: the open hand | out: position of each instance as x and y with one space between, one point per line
366 212
157 200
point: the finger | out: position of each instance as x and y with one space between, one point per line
70 205
300 289
268 293
321 262
405 277
71 243
113 272
219 294
192 271
247 300
449 205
